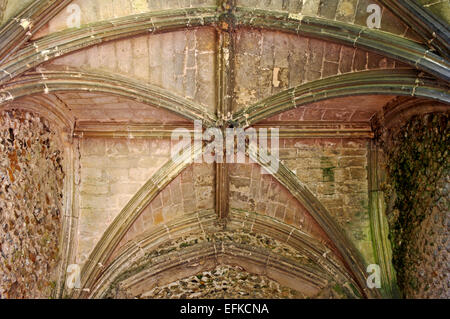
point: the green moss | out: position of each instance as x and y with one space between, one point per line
327 169
417 157
355 291
328 174
338 289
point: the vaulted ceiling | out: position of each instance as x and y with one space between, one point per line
133 71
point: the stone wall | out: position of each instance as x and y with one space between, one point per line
180 61
267 62
348 11
439 8
253 191
335 171
111 172
429 275
99 10
31 196
191 191
223 276
417 197
348 109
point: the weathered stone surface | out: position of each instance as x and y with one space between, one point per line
209 283
295 60
223 282
429 275
31 194
252 191
99 10
417 189
349 11
191 191
193 65
180 61
335 170
112 171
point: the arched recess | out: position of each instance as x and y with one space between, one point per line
67 41
49 107
93 270
401 109
50 81
194 242
352 257
387 82
383 43
387 123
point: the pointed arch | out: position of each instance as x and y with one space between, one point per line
48 106
47 81
92 272
388 82
325 266
64 42
372 40
67 41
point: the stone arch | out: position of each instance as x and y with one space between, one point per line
62 123
35 63
47 106
107 249
399 110
405 82
224 246
77 80
352 257
391 46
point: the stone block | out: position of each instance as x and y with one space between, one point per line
352 161
358 173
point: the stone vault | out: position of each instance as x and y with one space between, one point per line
93 205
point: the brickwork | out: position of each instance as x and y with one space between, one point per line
104 107
349 11
348 109
261 193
